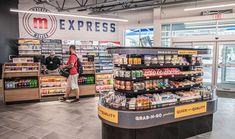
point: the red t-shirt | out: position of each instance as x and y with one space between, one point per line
73 59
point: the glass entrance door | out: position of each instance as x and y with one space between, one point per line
207 61
226 68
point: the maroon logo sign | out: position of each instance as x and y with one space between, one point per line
39 26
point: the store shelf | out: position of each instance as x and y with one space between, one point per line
157 51
86 84
157 90
29 49
158 77
20 88
54 94
149 66
48 88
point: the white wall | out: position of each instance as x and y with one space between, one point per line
27 27
155 17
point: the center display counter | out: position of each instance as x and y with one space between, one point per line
158 93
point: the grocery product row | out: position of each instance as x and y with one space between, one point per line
157 59
153 101
160 72
18 83
154 84
89 79
21 67
33 47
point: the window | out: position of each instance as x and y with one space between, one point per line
200 28
139 37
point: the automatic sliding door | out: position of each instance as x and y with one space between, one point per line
226 74
207 61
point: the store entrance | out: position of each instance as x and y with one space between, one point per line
226 66
219 65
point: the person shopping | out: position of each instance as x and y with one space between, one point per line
72 81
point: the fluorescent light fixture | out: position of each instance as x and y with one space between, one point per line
208 26
209 7
69 15
202 22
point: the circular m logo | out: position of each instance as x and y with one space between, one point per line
39 26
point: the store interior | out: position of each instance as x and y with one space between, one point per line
149 69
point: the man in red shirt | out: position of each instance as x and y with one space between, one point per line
72 81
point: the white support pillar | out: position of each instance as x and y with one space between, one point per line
157 27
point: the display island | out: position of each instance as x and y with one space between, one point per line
158 93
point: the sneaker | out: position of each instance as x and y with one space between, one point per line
75 100
62 99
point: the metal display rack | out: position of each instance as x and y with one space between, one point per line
154 122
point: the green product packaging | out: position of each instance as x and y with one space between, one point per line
133 74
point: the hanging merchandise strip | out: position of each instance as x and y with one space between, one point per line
157 50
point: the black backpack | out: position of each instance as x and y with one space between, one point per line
79 66
65 72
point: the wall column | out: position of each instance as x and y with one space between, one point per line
157 27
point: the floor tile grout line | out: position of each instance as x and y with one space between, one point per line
20 132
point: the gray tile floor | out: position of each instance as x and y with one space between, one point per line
56 120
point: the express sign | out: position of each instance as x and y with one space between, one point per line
45 26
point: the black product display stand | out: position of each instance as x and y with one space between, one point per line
178 130
160 123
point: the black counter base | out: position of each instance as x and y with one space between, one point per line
177 130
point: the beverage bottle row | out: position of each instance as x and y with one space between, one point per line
86 80
21 83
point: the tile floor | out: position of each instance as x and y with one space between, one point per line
56 120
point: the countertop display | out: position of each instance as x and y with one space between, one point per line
21 81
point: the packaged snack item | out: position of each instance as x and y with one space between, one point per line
147 59
130 61
160 83
121 73
139 61
133 74
161 59
154 60
166 82
137 74
135 61
127 74
128 85
194 60
124 60
167 59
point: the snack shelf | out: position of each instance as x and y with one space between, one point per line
21 85
157 90
157 51
159 77
155 87
149 66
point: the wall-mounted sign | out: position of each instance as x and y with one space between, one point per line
43 26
